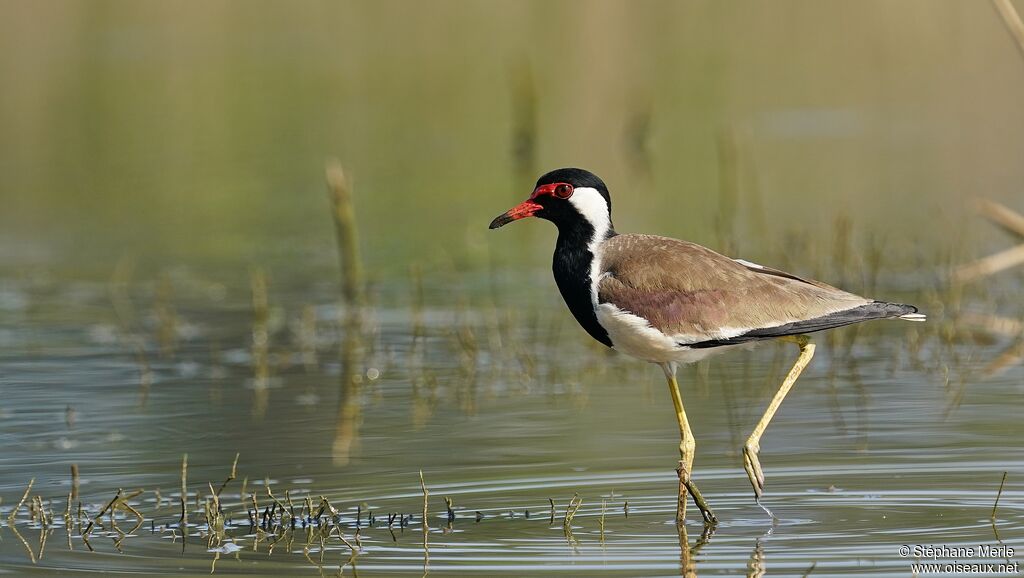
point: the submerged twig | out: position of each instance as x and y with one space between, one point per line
111 505
451 512
998 495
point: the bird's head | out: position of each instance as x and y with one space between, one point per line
566 197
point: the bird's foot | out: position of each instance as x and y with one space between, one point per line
686 485
753 468
752 465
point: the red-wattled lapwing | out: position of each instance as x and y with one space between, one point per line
669 302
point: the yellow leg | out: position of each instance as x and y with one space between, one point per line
687 445
750 462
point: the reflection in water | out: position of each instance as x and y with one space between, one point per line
425 522
524 410
756 566
842 371
166 317
299 527
24 542
350 382
688 554
129 333
260 342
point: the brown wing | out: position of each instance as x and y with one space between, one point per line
697 295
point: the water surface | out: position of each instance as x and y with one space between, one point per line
896 438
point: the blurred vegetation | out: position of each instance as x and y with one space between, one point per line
198 132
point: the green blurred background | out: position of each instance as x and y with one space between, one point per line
196 132
168 272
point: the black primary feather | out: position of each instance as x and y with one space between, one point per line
867 312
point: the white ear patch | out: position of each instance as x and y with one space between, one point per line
589 202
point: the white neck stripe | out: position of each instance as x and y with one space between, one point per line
594 209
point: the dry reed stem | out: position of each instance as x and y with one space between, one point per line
728 193
75 481
21 502
67 514
524 121
448 503
426 527
418 323
1008 358
111 506
570 511
990 265
184 494
1002 216
1012 20
232 476
1005 326
270 494
124 504
260 326
347 231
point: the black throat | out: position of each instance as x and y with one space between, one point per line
571 266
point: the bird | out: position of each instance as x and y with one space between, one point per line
672 302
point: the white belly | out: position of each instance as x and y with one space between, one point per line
634 336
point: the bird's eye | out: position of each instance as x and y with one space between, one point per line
563 191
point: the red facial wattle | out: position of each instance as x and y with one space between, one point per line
557 190
529 207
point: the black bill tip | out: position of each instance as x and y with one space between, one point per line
500 221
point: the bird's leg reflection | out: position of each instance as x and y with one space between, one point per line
687 568
687 554
756 567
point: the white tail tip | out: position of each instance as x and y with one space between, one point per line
913 317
